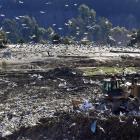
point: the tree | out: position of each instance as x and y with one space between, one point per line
11 28
121 35
50 33
21 41
25 29
86 13
67 40
56 39
30 30
85 25
82 25
102 31
135 38
3 39
39 33
2 36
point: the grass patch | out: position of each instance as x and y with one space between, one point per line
89 71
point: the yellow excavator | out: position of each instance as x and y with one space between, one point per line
120 89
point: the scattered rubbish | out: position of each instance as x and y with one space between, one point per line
66 100
121 121
76 103
135 123
86 105
6 133
101 128
7 54
93 127
73 124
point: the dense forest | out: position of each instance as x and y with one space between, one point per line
120 12
69 21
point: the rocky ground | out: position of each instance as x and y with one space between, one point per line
39 82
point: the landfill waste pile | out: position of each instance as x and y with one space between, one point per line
68 97
80 127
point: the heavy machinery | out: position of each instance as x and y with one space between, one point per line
120 88
135 88
124 95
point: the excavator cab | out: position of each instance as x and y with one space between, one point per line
112 87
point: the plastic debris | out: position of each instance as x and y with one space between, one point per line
135 122
86 106
102 129
6 133
94 126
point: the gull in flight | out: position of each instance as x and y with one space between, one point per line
42 12
21 2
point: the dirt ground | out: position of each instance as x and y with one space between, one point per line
36 95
